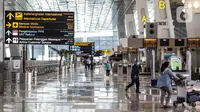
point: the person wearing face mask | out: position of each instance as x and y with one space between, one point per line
164 82
135 77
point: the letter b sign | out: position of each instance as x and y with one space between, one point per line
161 4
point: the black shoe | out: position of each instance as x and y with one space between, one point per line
138 92
127 96
167 106
126 89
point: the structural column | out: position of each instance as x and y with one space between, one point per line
1 49
130 25
1 31
163 16
143 15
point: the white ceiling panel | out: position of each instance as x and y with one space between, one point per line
90 15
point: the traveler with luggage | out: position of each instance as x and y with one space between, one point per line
165 83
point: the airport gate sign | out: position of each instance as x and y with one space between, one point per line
26 27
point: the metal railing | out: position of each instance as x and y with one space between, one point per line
42 67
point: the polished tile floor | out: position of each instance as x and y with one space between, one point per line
80 90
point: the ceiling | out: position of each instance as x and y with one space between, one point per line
90 15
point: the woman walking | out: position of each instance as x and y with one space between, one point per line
165 83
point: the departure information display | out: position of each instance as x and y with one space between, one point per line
179 42
22 27
84 47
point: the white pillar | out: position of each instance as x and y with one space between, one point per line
163 15
130 25
162 54
189 64
46 52
142 11
1 31
180 56
153 64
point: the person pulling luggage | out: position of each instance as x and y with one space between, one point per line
164 82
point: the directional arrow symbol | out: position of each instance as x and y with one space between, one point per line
8 32
10 15
8 25
9 40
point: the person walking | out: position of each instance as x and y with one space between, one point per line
86 64
134 78
164 82
108 68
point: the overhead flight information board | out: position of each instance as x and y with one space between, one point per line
86 47
22 27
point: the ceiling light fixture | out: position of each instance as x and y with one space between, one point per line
196 5
189 5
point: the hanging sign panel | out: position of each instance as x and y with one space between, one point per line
22 27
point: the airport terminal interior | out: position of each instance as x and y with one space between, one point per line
82 55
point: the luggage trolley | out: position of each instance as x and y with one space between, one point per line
182 95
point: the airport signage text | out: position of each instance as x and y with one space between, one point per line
26 27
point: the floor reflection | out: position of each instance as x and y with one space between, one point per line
80 90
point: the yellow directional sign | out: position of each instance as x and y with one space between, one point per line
10 15
144 19
82 43
18 15
106 52
161 4
8 25
15 25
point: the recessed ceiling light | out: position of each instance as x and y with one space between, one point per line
189 5
196 5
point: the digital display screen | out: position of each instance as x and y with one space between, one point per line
30 27
164 42
179 42
85 47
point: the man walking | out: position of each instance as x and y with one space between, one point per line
135 78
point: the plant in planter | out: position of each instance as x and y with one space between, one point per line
62 53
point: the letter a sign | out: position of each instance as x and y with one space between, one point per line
144 19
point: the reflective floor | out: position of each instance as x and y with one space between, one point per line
81 90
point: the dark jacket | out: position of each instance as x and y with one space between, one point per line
135 71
